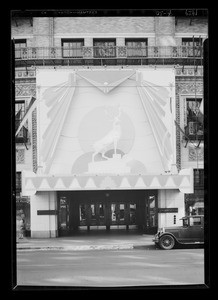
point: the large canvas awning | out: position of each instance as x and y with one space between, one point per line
32 183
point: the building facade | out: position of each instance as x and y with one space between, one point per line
109 122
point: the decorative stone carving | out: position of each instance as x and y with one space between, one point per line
25 90
34 139
87 52
122 52
195 154
190 87
189 72
20 156
25 74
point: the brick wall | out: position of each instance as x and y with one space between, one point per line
165 31
164 26
107 25
22 28
198 25
49 31
41 32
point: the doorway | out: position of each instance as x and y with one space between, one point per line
107 210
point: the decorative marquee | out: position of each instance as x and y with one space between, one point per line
32 183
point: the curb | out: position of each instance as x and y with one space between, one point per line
80 248
90 247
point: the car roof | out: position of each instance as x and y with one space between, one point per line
194 216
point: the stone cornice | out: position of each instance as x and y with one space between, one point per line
189 72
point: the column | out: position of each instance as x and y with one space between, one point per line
171 199
43 226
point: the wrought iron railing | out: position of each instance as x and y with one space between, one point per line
96 52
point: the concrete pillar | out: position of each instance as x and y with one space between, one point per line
43 226
120 41
88 42
41 30
171 199
51 32
165 31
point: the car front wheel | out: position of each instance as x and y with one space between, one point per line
167 242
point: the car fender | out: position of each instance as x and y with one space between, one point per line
169 233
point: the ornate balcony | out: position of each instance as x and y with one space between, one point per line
113 55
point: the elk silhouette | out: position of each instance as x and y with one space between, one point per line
112 137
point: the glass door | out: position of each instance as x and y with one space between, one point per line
132 213
83 215
118 213
151 208
152 218
63 215
101 214
92 214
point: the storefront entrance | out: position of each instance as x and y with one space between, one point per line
107 210
107 214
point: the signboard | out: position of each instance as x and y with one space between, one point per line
46 212
168 210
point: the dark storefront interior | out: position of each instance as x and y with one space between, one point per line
107 210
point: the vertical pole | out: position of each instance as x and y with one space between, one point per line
174 169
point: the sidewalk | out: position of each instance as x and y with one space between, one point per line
107 241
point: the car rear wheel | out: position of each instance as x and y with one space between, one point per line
167 242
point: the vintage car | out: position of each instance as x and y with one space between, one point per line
191 232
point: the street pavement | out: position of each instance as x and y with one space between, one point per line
122 268
65 261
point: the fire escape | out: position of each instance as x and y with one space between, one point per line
22 134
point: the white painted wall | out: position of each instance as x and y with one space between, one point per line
86 99
169 199
43 226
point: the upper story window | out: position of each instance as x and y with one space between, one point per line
20 44
18 182
104 47
136 47
19 111
72 47
192 46
194 117
198 178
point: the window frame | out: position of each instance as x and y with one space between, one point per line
192 120
198 178
19 51
192 50
133 48
102 51
18 120
18 183
73 52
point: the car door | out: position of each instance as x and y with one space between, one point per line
197 225
193 232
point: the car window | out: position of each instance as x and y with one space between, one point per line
185 222
195 221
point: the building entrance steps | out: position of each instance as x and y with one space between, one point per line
89 241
